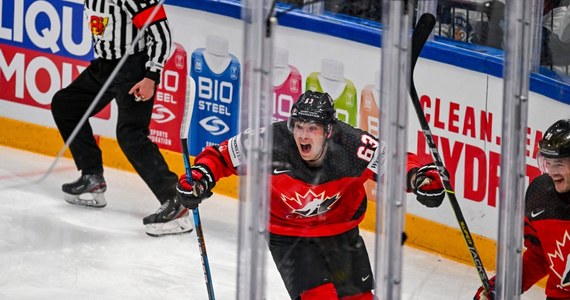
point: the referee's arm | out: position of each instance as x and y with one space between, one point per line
157 36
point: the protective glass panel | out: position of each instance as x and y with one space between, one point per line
555 47
462 108
478 22
325 46
480 29
323 50
319 165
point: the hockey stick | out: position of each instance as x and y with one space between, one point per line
197 223
420 35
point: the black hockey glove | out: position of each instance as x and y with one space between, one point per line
428 186
203 182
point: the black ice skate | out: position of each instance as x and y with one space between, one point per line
170 218
87 191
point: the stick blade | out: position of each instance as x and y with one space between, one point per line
421 33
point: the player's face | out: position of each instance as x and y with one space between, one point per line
559 170
310 139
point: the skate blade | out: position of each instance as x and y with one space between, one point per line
180 225
93 199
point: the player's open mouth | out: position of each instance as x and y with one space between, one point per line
305 147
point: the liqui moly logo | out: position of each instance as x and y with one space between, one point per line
44 45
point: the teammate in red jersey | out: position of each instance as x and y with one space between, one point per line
547 218
317 197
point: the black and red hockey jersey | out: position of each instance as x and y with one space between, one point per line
547 238
306 201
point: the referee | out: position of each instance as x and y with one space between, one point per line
114 25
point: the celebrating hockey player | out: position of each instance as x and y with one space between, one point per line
317 197
114 25
547 218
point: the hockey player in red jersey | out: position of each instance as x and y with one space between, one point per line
317 197
547 218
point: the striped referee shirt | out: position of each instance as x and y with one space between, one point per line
114 24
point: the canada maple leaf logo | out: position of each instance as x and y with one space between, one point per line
310 204
560 257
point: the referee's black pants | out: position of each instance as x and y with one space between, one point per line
70 104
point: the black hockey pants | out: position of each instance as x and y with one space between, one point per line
71 103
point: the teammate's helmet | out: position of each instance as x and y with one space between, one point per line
313 107
556 141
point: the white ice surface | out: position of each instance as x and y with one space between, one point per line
53 250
